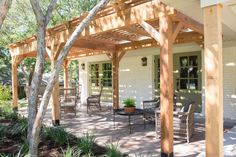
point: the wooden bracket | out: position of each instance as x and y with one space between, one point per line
109 55
58 50
177 30
121 55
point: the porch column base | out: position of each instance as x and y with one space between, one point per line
167 155
56 122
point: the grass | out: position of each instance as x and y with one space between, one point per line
85 144
112 151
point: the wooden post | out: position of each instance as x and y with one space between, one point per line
66 77
115 80
166 84
54 101
14 85
213 80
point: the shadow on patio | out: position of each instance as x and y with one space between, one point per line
141 142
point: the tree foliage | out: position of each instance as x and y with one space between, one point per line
20 21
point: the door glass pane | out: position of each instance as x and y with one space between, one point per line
193 61
193 84
183 61
193 72
184 72
183 83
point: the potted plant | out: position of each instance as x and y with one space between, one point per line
129 105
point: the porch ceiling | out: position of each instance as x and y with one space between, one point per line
116 28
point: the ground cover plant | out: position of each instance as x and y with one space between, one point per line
55 141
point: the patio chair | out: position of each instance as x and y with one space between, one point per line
68 100
94 100
183 122
149 107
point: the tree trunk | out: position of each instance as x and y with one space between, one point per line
4 7
54 75
42 21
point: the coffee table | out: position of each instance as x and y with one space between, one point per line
121 112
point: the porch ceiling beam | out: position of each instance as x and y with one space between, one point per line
151 30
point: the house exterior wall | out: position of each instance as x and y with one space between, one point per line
137 81
229 79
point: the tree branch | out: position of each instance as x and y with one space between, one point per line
56 70
37 11
4 7
49 11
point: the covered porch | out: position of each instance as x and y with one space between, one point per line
129 25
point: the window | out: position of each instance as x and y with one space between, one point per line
107 74
188 72
101 73
95 74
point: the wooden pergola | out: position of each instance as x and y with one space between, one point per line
122 26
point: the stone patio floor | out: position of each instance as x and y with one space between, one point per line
142 142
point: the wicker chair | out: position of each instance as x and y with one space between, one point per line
94 100
183 122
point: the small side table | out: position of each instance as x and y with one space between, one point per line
123 113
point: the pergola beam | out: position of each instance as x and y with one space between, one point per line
180 39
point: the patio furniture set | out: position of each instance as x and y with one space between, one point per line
183 120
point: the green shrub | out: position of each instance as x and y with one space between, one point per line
71 152
86 144
5 108
20 128
112 151
2 133
57 134
5 93
129 102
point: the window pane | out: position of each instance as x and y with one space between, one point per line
193 61
183 83
96 67
193 72
107 74
193 84
184 72
106 66
95 82
183 61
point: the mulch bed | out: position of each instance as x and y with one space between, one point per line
10 145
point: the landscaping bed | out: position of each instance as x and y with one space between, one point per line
55 141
